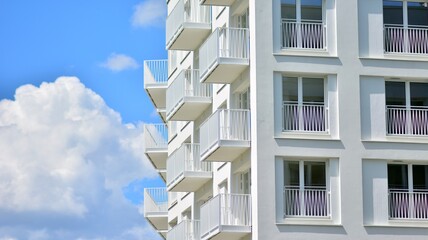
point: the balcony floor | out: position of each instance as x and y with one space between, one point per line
189 36
224 70
158 157
189 181
189 109
157 93
225 151
159 220
217 2
228 232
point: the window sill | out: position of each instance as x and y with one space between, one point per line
306 135
400 139
305 52
401 223
400 57
309 221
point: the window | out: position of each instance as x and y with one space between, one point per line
406 108
305 189
408 191
302 24
406 26
303 104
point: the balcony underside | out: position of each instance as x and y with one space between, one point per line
225 151
217 2
189 181
163 233
189 109
228 232
189 36
224 70
162 114
158 157
162 174
157 93
159 220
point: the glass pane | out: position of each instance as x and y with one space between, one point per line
420 177
289 89
291 173
313 90
315 175
395 93
392 12
397 176
419 94
418 13
288 9
311 10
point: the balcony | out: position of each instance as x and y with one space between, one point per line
304 118
225 135
303 35
187 25
156 144
185 230
156 207
156 81
411 121
187 98
186 172
408 205
226 216
224 55
405 40
217 2
306 203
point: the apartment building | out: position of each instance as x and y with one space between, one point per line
291 119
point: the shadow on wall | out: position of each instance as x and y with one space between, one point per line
313 229
396 231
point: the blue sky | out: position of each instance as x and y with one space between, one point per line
102 44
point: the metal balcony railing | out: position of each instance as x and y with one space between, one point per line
186 84
408 40
155 136
232 43
304 118
155 201
303 35
225 124
404 121
225 210
312 202
186 11
155 71
408 205
185 230
185 159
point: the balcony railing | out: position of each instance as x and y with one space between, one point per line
304 118
225 210
303 35
185 159
185 230
186 86
403 121
155 136
409 40
186 12
155 72
224 43
155 201
408 205
306 202
225 124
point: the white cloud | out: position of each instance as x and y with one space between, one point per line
149 13
65 157
120 62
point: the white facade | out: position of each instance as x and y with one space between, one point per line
291 119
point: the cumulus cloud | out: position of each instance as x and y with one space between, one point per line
65 157
149 13
120 62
